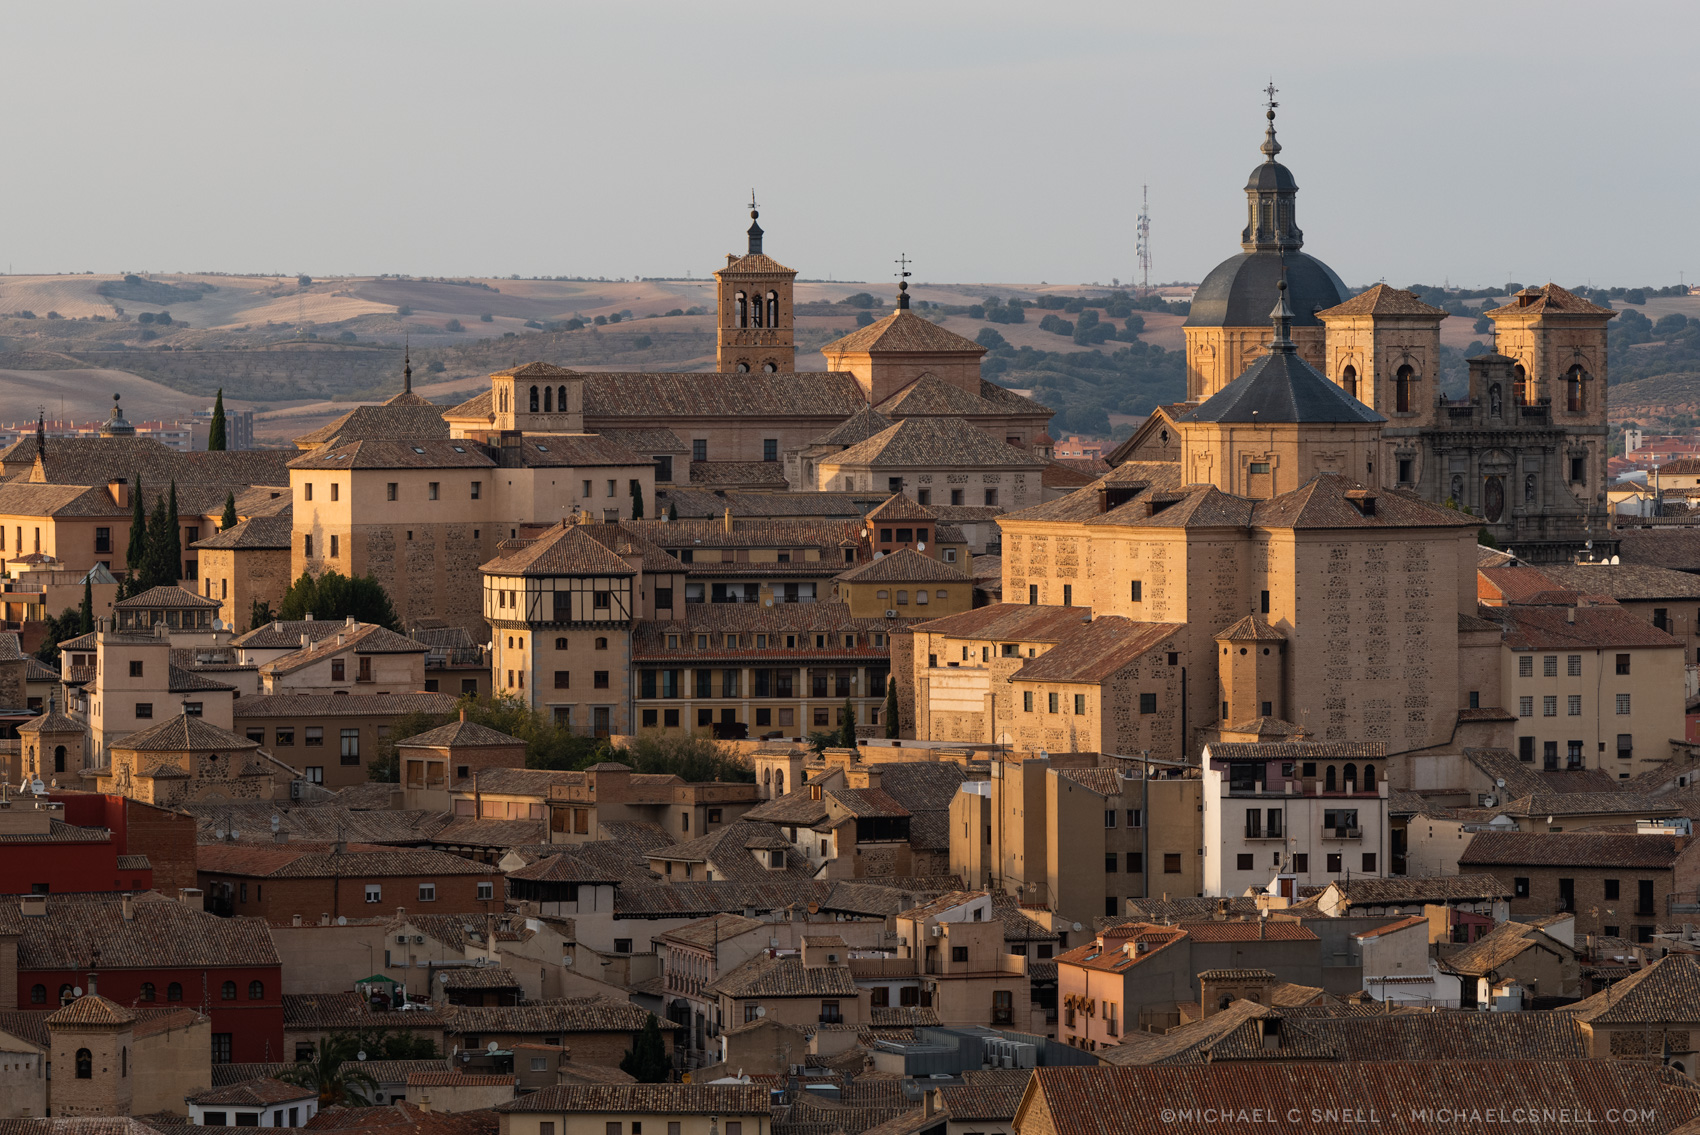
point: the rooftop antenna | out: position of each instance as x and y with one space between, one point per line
1144 230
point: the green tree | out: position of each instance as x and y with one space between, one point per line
215 435
694 759
673 510
59 628
847 725
334 1073
229 519
383 1044
136 554
547 744
259 614
337 596
890 714
1482 325
161 547
646 1061
85 613
637 501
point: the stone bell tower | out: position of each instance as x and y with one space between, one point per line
753 305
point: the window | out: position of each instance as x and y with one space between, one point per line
1611 889
599 679
1147 703
389 491
1109 817
1051 703
85 1064
1080 710
1406 470
228 991
1526 666
1566 894
1549 754
339 669
256 991
144 710
991 498
1573 666
1574 705
351 746
1549 666
1264 600
1335 861
1171 863
374 892
1622 703
1549 705
1369 861
1625 746
1526 706
427 892
307 490
699 449
135 669
315 735
1525 747
611 482
1243 862
486 890
285 735
770 449
959 953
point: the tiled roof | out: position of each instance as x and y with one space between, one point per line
364 638
285 634
1322 503
729 852
1256 930
159 598
396 419
440 1079
1552 628
646 1099
1394 927
185 733
742 474
754 264
347 1010
1666 991
461 733
92 1009
1297 750
649 396
903 1016
934 441
558 451
262 1092
1103 781
1626 804
1110 953
322 823
1094 651
223 1075
163 934
945 902
576 1015
859 427
419 453
1009 622
706 933
1625 582
1250 629
931 396
1383 300
762 976
473 831
480 977
404 1118
1368 891
1495 949
1571 849
393 1071
310 861
902 332
22 498
256 532
651 440
561 551
98 461
565 867
339 705
905 565
59 832
1549 299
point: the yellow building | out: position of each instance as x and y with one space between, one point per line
883 588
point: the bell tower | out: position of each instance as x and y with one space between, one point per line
753 304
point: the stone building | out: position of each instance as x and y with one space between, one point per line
187 758
247 564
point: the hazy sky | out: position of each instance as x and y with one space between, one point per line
989 141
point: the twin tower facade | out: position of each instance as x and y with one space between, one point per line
1524 448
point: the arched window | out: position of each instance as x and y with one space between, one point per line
1328 784
767 777
174 992
124 1061
779 782
1351 778
1575 395
85 1064
1404 379
561 398
560 644
534 399
256 991
1529 489
1349 379
38 994
1520 385
228 991
756 311
548 399
1369 778
773 309
65 994
59 758
147 993
769 368
742 307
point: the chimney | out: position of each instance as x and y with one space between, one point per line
1570 615
90 987
277 626
295 920
33 906
463 715
129 906
931 1104
306 640
280 837
324 920
728 520
349 622
190 896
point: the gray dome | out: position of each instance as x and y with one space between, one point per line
1271 176
1240 291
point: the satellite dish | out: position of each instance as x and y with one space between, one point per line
234 834
566 959
761 1010
443 978
1499 783
361 1055
920 545
76 991
342 920
491 1047
218 833
1077 926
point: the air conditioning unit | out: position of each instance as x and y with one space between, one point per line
401 939
938 931
903 939
419 939
891 614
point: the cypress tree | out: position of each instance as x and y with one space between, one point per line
646 1061
637 501
890 713
215 435
228 520
174 547
85 613
162 550
847 725
136 554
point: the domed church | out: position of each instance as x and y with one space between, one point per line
1524 448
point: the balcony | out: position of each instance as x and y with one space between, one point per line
1342 834
1259 834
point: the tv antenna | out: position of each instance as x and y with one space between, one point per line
1145 239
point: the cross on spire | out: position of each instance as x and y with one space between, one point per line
1270 146
903 275
755 226
1270 92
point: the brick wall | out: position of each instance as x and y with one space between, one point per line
1593 909
278 900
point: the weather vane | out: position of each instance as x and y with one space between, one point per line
752 198
1271 91
903 263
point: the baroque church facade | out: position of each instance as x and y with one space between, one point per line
1524 449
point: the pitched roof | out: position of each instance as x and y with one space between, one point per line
1666 991
900 507
901 332
1326 501
347 1010
256 532
185 733
860 426
554 451
365 638
1552 628
648 396
933 441
1383 300
1280 388
1250 629
417 453
1254 930
706 933
1548 299
262 1092
1363 890
480 977
317 861
782 621
1571 849
399 418
457 733
1625 582
339 705
572 1015
652 1099
1110 953
762 976
930 395
1010 622
162 934
1093 651
91 1009
905 565
170 596
740 474
1497 949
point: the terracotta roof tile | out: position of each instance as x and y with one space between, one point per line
1571 849
311 861
905 565
762 976
262 1092
902 332
185 733
1548 299
337 705
652 1099
574 1015
934 441
1382 300
163 934
418 453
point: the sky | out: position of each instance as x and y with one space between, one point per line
989 141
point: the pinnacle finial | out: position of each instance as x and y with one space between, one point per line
755 226
1282 316
1270 146
406 366
903 275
